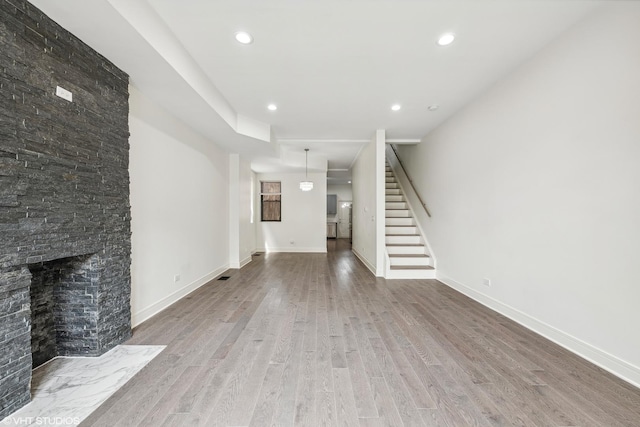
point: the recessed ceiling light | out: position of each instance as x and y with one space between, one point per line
272 107
244 37
396 107
446 39
349 182
433 107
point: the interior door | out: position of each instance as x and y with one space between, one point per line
344 220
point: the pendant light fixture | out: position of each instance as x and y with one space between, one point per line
306 185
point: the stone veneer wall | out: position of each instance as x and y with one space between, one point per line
63 321
64 190
43 334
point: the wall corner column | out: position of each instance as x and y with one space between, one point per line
380 201
234 210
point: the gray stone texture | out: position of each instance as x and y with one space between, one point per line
64 195
43 332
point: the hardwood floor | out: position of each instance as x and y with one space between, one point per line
314 339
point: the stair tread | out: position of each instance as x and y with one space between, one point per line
408 256
411 267
404 244
405 235
397 225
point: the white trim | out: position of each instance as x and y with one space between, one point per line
403 141
245 261
311 141
364 260
410 274
157 307
322 250
618 367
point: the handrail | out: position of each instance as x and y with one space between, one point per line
424 205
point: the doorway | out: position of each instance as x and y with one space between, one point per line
344 220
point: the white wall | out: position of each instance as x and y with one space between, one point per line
179 208
247 208
368 205
536 187
241 226
304 215
234 210
381 140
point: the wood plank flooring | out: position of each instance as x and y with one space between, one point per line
315 340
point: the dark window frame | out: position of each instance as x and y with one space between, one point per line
270 198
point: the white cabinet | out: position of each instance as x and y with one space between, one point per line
332 230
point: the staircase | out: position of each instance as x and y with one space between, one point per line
406 248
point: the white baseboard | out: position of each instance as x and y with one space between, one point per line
241 263
410 274
364 260
618 367
245 261
157 307
293 249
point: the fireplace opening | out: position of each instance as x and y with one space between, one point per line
63 308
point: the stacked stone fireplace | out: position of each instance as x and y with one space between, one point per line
64 200
64 313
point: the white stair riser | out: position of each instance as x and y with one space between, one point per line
394 198
400 230
410 261
399 221
398 213
410 274
406 250
403 239
395 205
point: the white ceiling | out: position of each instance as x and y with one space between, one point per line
333 67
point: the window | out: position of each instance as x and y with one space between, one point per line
270 201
